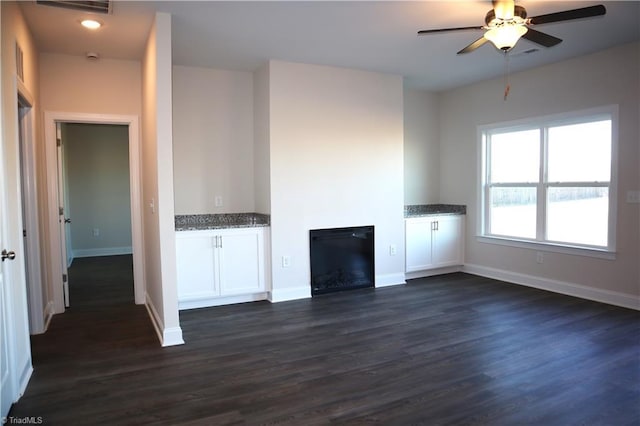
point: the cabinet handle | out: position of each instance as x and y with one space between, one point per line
220 246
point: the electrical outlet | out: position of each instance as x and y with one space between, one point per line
286 261
96 232
393 250
218 200
539 257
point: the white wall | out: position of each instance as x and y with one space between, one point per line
212 140
14 292
97 166
607 77
157 183
421 147
336 161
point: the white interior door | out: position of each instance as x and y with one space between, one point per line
62 219
6 383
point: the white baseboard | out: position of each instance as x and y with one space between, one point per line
48 315
167 336
389 280
432 272
562 287
219 301
25 376
172 337
105 251
286 294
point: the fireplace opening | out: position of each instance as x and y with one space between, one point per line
341 259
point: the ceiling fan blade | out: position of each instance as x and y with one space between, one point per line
541 38
568 15
473 46
442 30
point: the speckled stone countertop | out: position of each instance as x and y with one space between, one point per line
418 210
195 222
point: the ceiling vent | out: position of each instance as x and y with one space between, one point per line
97 6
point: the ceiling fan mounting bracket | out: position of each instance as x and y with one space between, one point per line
519 18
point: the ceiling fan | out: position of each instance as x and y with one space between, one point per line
507 22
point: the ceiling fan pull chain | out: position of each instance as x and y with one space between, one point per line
507 86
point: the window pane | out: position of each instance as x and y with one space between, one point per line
515 157
580 152
578 215
513 212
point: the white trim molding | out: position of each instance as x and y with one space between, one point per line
387 280
562 287
286 294
206 302
135 167
432 272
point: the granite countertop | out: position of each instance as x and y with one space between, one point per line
196 222
420 210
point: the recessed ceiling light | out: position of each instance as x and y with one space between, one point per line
92 24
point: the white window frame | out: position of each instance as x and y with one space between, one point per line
575 117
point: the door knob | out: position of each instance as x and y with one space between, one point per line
8 255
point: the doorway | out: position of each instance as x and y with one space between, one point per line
95 193
57 213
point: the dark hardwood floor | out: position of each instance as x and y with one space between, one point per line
454 349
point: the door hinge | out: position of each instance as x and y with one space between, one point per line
24 232
60 211
64 278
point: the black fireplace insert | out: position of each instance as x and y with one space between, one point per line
341 259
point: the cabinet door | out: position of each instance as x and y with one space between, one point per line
447 241
195 266
241 261
418 244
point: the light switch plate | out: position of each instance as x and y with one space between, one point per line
633 197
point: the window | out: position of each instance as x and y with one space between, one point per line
550 180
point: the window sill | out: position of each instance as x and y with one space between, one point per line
549 247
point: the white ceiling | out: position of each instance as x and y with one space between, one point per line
377 36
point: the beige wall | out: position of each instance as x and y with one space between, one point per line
608 77
336 142
262 140
212 140
157 183
105 86
421 148
97 175
76 84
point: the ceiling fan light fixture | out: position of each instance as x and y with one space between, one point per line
506 36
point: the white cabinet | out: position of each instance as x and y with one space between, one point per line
433 242
221 266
